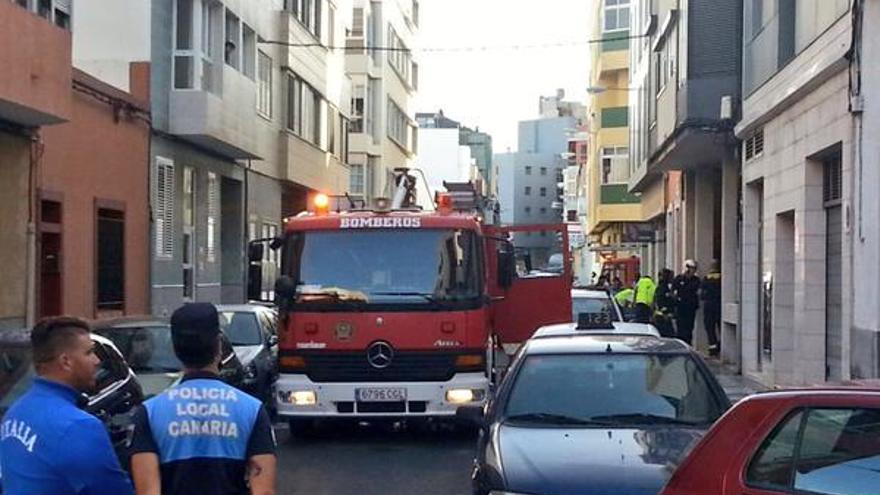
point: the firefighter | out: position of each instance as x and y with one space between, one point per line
202 435
664 303
710 293
644 298
687 300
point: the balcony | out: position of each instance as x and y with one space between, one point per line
617 194
222 119
35 88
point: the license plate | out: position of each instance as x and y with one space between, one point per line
385 394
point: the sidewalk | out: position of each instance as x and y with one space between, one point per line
736 385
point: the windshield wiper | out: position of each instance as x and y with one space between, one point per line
558 419
642 418
424 295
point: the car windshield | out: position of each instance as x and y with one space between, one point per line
241 327
147 349
385 266
592 305
612 389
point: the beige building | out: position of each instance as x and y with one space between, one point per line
384 82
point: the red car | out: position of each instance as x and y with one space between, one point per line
817 442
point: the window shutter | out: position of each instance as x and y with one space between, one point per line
164 208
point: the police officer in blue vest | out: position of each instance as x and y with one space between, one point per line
48 445
202 436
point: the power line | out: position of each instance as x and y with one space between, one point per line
451 49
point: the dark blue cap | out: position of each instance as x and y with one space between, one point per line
195 319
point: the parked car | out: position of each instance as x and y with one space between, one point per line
820 441
597 414
252 331
116 394
146 344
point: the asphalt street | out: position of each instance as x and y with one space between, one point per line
375 460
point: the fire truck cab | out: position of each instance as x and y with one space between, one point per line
398 312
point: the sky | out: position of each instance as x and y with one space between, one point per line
496 88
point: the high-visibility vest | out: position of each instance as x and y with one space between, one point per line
645 289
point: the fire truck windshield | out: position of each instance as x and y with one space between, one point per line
385 267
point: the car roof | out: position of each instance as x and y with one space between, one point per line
596 342
620 328
243 308
589 294
130 322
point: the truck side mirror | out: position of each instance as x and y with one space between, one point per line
506 267
285 291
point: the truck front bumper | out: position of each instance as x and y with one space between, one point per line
339 400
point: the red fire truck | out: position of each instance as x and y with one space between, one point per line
391 311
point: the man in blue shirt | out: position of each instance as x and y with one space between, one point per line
202 435
48 445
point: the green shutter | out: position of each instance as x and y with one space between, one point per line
618 40
615 117
617 194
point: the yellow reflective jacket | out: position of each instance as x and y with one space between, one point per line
645 289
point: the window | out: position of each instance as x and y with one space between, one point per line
294 104
832 183
528 170
209 13
615 165
543 170
184 54
331 25
543 192
399 126
62 18
528 210
661 76
357 25
754 145
543 210
822 451
358 106
528 190
249 52
399 57
213 215
356 179
308 13
306 111
184 25
189 243
264 88
616 15
111 259
163 206
232 49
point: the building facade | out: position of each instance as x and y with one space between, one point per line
611 206
384 134
247 124
443 156
801 246
35 92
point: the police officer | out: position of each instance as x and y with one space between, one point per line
202 435
710 294
48 445
687 288
664 303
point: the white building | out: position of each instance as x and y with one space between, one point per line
384 76
809 247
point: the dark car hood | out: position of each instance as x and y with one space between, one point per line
598 461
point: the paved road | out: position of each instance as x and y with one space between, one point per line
375 460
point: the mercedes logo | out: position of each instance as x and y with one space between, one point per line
380 354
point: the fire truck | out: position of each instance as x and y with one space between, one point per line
391 311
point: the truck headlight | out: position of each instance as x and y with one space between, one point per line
464 395
298 397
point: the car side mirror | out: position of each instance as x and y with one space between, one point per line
285 291
273 340
471 415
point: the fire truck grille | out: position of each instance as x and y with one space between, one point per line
404 367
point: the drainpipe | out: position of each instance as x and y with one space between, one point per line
35 154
